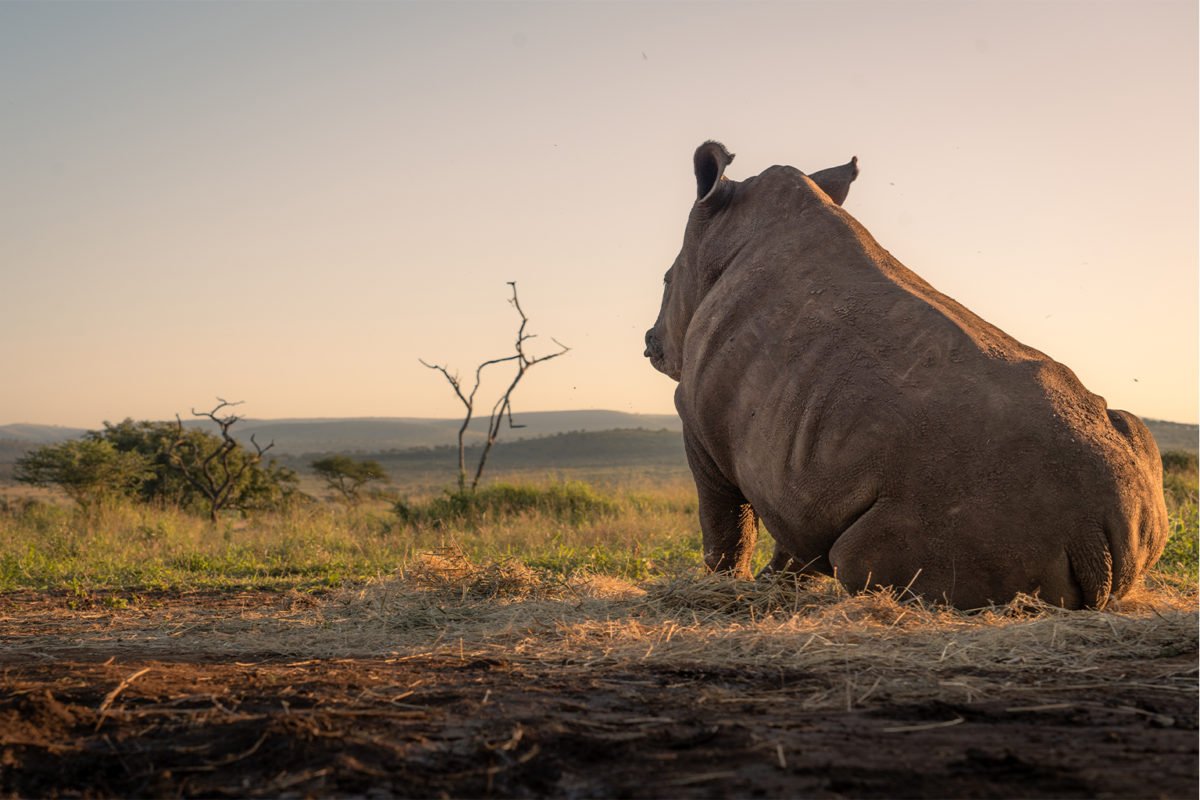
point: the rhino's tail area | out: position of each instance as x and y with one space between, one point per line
1091 566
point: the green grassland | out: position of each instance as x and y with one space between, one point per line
557 527
619 523
609 459
1181 559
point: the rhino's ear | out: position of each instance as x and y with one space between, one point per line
711 159
836 181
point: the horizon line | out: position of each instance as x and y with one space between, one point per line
434 419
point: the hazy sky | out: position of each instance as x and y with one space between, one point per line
289 203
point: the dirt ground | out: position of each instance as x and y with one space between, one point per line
94 719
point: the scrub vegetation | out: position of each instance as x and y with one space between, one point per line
122 545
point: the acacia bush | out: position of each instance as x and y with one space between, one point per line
347 476
88 470
149 461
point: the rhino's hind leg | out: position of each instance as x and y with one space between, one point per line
888 548
881 549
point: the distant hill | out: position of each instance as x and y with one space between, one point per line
374 435
599 452
575 449
1174 435
38 434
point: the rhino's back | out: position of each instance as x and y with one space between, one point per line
817 389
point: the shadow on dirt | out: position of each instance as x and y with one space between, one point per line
424 727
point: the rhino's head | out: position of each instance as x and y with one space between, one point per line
727 217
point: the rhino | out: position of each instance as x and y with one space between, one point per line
881 432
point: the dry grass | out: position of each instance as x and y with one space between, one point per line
854 650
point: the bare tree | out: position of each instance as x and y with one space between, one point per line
214 472
502 409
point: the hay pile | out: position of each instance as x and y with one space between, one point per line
852 649
848 650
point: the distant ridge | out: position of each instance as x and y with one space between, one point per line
297 437
372 435
376 434
1174 435
38 434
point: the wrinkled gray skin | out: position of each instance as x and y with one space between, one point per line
879 430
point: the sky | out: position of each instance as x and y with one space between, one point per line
289 204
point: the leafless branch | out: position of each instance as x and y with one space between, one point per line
259 448
212 474
503 407
453 379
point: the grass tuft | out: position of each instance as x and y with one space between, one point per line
450 574
571 502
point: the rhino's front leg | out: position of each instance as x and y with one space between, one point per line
781 562
785 562
727 520
730 529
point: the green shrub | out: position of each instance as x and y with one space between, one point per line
87 470
1182 554
572 503
1180 480
347 476
1179 461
